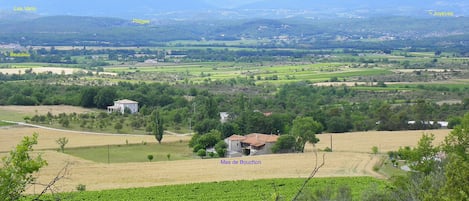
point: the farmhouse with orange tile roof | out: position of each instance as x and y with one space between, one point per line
252 144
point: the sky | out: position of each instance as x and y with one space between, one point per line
188 8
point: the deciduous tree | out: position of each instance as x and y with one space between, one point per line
105 97
150 157
87 97
62 142
423 156
305 130
209 139
118 126
17 169
285 143
201 153
220 148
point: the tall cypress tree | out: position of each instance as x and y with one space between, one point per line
157 126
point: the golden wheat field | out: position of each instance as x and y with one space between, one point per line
44 109
384 140
97 176
9 137
350 158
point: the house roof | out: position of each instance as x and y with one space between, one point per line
236 138
255 139
126 101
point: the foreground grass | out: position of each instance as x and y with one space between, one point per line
389 170
263 189
11 115
5 124
134 152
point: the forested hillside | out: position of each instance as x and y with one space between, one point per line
377 33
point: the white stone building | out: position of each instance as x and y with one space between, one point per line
120 105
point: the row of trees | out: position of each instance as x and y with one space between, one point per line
338 109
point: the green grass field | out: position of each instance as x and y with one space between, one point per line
134 152
437 86
11 115
417 86
264 189
389 170
5 124
23 65
199 72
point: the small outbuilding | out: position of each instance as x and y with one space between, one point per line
224 116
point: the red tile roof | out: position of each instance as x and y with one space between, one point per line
255 139
236 137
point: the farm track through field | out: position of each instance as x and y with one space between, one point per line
87 132
71 131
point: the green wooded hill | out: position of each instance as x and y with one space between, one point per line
451 32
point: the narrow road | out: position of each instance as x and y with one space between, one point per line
87 132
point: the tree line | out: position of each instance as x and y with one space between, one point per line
337 108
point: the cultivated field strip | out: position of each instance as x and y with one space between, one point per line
47 138
384 140
351 157
98 176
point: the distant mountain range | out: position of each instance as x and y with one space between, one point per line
232 9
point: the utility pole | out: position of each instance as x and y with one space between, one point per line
193 115
108 155
190 124
193 105
331 142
